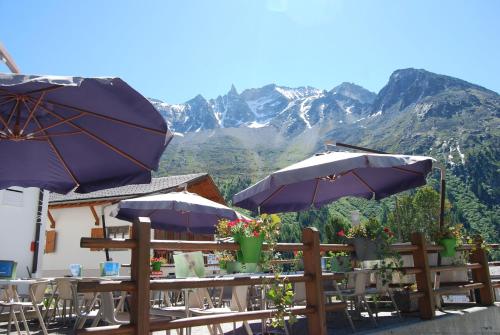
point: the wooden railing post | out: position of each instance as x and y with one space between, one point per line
426 303
139 309
482 274
314 289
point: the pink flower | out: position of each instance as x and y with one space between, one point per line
341 233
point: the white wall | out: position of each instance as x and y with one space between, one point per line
17 226
71 225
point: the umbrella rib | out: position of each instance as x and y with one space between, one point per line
7 100
44 137
161 132
6 127
271 195
58 155
32 111
100 140
315 191
11 115
362 181
57 124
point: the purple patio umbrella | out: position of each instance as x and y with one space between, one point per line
326 177
87 134
176 211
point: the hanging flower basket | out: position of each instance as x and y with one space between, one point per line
250 248
366 249
156 266
449 245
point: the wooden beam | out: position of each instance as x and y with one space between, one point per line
482 274
4 54
94 213
315 298
51 219
426 304
80 204
140 270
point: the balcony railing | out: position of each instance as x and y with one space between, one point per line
315 310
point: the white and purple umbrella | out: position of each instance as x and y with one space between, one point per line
87 134
327 177
176 211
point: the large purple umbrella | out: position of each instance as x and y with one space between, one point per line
87 134
176 211
327 177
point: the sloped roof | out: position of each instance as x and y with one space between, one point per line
156 185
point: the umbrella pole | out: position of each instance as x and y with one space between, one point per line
443 197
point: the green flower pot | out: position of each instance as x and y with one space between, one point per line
449 245
156 266
233 267
250 248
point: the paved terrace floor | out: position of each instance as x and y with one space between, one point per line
337 324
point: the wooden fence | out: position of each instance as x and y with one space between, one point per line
315 310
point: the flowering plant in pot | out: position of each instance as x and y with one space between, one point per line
157 262
449 237
372 241
250 234
366 238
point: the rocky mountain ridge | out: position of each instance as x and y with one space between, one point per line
290 109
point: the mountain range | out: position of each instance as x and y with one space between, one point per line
259 130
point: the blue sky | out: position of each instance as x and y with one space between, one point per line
173 50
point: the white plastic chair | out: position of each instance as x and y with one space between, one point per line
8 302
357 281
64 292
238 304
36 297
382 289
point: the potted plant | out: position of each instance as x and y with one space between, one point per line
250 234
156 263
448 238
366 238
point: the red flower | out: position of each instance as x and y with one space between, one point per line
341 233
387 230
256 234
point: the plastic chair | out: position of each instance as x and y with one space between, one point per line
36 297
380 290
356 290
64 291
8 302
85 307
238 304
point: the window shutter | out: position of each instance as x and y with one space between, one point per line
96 233
50 241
